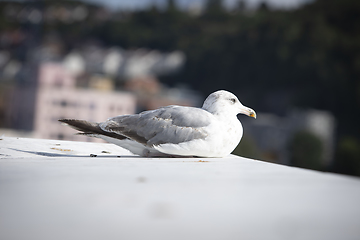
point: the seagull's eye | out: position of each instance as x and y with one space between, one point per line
233 100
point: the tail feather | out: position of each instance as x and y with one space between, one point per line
90 128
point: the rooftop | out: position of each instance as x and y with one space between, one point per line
52 189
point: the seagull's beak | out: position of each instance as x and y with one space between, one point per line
248 111
252 114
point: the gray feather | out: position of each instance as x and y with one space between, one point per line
172 124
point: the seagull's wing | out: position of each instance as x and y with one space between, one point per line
172 124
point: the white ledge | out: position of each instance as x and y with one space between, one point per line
52 189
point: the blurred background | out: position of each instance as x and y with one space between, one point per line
296 62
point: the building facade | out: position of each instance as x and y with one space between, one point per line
39 106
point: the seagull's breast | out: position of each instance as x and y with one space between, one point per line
226 135
222 137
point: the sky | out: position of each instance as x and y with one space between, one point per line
135 4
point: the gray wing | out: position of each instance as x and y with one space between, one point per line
172 124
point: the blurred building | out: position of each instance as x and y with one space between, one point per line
123 64
136 71
84 83
37 107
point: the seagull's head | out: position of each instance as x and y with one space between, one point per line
222 101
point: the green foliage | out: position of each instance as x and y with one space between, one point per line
348 156
306 150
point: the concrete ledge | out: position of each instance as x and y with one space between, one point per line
52 189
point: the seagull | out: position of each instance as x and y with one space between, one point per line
175 131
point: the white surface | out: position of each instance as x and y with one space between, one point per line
58 194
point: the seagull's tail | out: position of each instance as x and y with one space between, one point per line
89 128
84 126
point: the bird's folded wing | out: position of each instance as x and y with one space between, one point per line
173 124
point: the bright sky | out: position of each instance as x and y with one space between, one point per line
132 4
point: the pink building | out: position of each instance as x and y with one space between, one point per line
56 96
93 105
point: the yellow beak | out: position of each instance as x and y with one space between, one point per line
252 114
